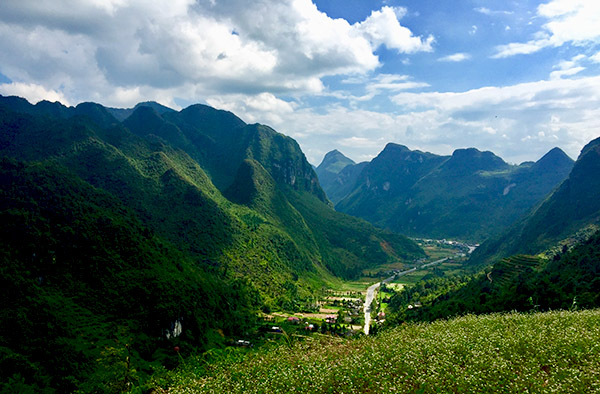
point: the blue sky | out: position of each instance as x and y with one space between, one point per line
513 77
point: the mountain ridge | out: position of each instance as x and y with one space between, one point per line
466 196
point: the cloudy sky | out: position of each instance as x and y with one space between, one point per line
514 77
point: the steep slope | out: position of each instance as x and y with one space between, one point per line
333 162
146 244
523 283
468 196
338 174
385 182
572 206
85 286
148 161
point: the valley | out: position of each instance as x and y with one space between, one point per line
137 243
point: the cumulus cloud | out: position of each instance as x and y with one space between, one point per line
189 49
383 28
33 93
568 67
456 57
520 122
568 21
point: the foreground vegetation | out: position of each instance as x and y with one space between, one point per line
543 352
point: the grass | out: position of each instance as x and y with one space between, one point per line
508 353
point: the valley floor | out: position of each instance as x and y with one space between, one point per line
543 352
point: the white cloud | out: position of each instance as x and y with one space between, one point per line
568 21
189 49
519 123
487 11
33 93
263 107
382 28
568 67
456 57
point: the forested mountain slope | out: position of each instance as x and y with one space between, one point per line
574 205
120 226
469 195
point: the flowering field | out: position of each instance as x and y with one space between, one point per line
547 352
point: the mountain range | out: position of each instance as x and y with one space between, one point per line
129 231
469 195
570 208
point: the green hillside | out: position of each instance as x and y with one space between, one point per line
469 195
536 353
571 207
338 175
117 232
164 166
85 285
569 280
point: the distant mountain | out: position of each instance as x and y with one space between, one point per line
117 233
334 162
338 174
572 206
469 195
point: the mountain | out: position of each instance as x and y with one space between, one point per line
469 195
198 157
334 162
338 174
574 205
117 233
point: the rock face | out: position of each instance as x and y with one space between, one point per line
468 195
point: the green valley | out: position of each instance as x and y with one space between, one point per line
154 250
125 239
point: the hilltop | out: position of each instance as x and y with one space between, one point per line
470 195
573 206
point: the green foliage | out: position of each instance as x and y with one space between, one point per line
550 352
571 207
114 234
470 195
77 267
522 283
348 244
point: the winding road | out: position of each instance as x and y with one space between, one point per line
371 291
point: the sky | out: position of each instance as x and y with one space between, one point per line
514 77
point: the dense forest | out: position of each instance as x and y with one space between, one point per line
130 233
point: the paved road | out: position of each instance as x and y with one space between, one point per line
372 288
367 306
